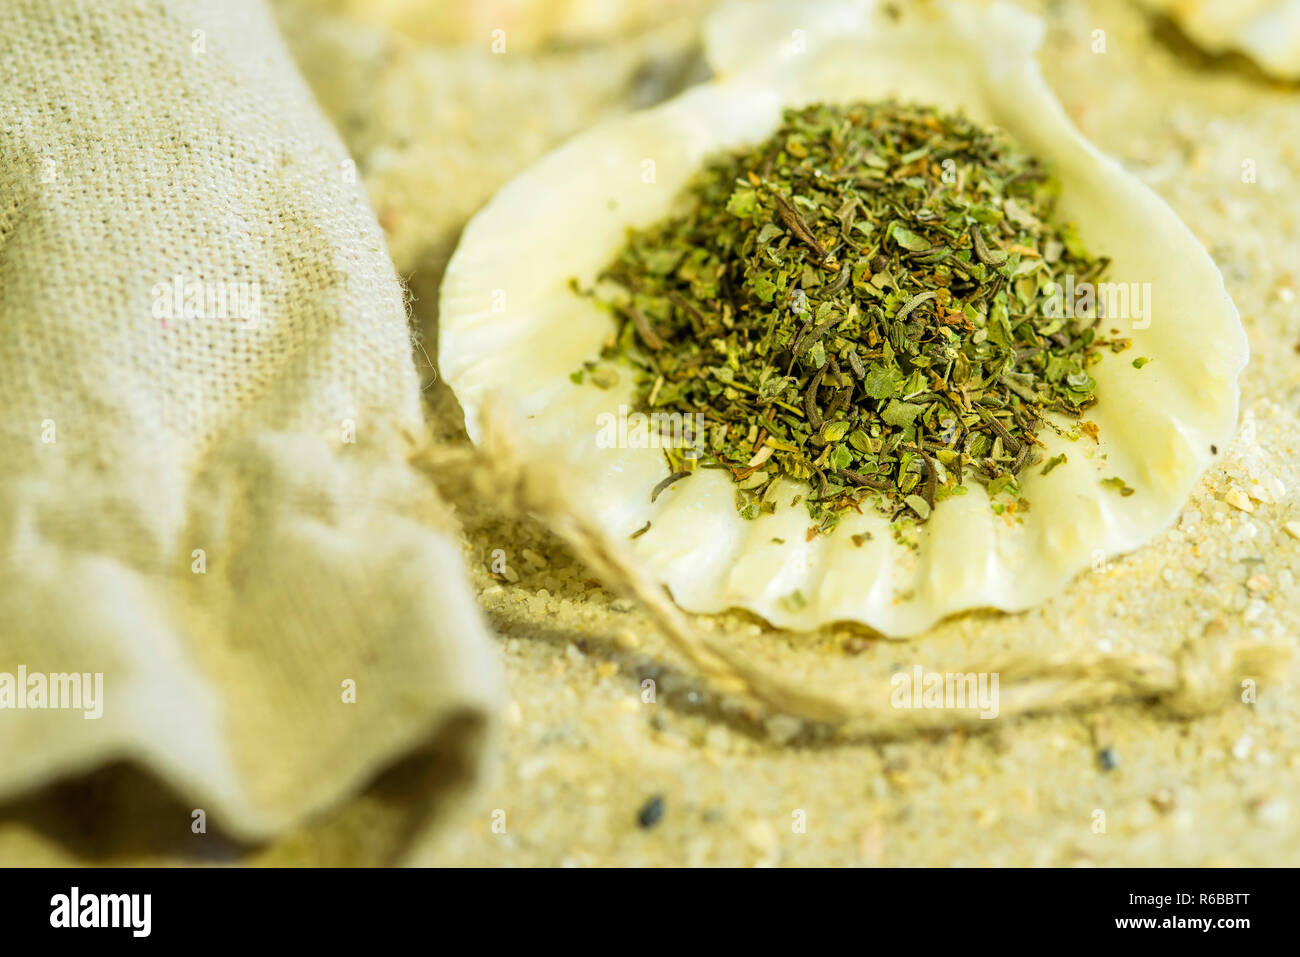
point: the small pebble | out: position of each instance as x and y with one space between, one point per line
1273 810
1163 800
1109 759
762 836
1238 499
1241 749
718 738
651 812
782 728
1292 529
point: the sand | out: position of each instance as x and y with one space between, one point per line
597 767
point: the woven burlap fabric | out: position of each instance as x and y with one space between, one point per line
211 506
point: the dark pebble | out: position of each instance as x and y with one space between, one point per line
651 812
1109 759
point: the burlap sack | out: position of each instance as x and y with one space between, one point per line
207 395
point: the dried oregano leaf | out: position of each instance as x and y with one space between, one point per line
872 294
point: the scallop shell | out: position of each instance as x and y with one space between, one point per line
511 328
1267 31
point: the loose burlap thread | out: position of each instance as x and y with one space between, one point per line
1202 676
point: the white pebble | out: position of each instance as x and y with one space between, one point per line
1274 811
1241 748
782 728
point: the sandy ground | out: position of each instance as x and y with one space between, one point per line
593 773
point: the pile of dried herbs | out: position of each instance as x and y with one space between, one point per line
861 302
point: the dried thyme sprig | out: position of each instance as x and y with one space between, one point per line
859 303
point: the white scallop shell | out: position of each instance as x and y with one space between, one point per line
1267 31
510 327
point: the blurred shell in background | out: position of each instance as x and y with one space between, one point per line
527 25
1267 31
